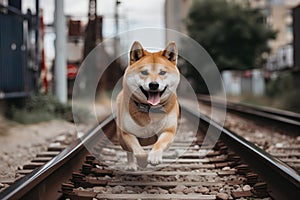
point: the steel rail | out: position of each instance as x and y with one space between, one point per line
43 183
283 116
282 180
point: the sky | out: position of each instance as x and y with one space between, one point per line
133 13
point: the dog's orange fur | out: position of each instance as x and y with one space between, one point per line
132 122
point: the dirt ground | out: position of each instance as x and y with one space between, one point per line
20 143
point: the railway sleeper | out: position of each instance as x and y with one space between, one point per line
220 175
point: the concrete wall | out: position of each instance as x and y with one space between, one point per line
175 14
244 83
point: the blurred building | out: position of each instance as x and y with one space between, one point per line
296 34
278 14
250 82
278 17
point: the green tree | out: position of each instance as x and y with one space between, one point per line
235 35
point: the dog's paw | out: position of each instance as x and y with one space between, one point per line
155 157
141 160
131 167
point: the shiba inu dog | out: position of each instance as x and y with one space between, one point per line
147 107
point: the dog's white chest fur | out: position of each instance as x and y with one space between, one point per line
154 127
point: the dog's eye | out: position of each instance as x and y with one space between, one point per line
145 73
162 73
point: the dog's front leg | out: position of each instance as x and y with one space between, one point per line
155 155
131 163
135 149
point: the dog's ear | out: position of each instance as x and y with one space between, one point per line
171 52
136 52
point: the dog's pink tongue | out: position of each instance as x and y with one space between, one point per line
154 98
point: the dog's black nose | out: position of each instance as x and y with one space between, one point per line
153 85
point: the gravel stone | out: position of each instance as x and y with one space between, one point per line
163 191
236 186
203 190
188 190
226 168
178 189
60 138
193 178
99 189
222 196
246 187
153 191
269 138
118 189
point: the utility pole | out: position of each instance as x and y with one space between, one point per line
60 70
117 39
118 2
93 32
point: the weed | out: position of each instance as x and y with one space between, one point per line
39 108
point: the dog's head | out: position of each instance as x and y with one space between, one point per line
152 77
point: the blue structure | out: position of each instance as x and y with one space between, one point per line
296 34
19 65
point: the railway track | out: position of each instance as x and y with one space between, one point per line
287 118
283 123
193 168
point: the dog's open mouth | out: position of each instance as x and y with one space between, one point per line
153 97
